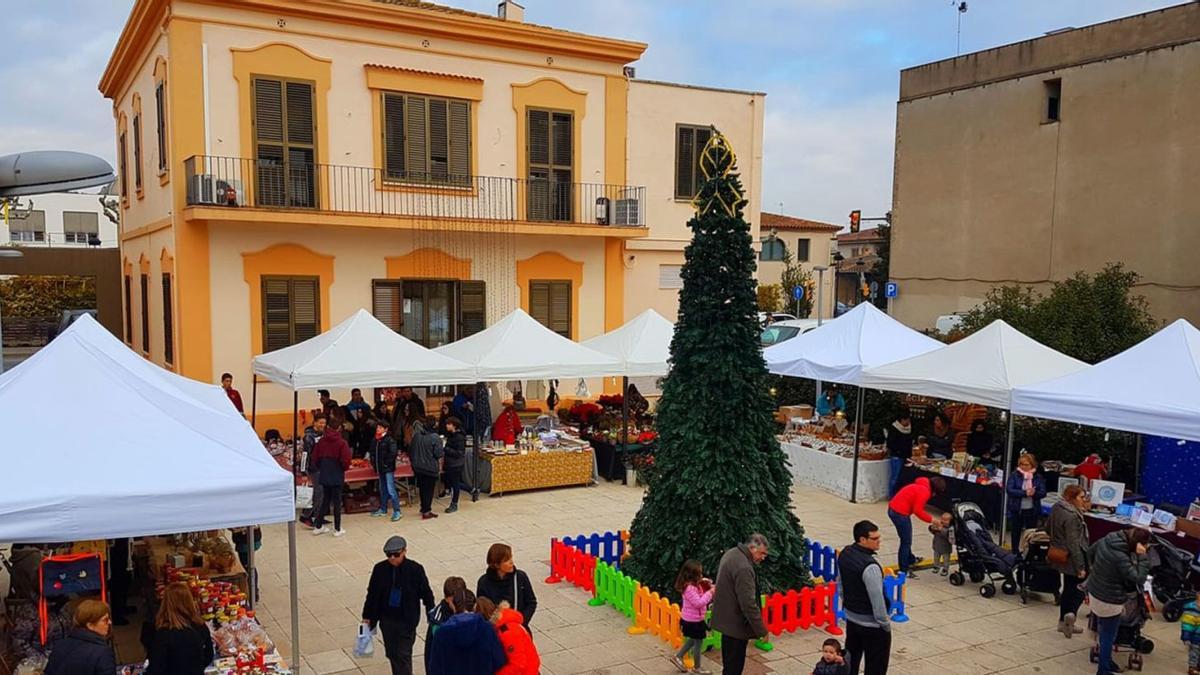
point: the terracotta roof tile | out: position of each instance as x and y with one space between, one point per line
452 76
776 221
859 237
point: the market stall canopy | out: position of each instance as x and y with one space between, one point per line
90 332
982 368
360 352
838 351
1151 388
519 348
137 452
643 345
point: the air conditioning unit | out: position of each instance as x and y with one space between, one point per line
203 189
627 212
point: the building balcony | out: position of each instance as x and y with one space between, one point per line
239 189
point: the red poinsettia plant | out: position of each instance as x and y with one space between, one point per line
586 413
647 437
611 401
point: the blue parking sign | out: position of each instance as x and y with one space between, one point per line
891 290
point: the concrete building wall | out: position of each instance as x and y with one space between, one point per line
53 206
819 254
989 192
654 110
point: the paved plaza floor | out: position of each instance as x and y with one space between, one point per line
952 630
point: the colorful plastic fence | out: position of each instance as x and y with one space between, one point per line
822 560
572 560
608 547
893 591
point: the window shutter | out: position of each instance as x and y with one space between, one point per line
417 138
539 302
387 302
128 310
306 322
560 308
460 143
472 303
160 109
563 140
124 168
137 151
268 111
277 314
439 141
393 136
146 313
539 137
301 127
685 145
168 321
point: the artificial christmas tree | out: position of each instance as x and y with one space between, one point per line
721 474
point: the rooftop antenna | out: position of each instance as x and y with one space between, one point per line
962 9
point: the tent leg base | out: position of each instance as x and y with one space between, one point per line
475 495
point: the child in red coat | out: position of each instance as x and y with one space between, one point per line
518 644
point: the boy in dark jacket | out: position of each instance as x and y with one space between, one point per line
311 435
332 459
833 660
397 588
426 452
443 611
383 459
456 459
466 643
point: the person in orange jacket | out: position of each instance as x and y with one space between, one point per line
518 644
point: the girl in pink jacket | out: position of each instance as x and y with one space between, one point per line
697 592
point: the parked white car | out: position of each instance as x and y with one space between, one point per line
947 322
786 330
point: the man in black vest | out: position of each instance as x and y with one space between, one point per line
868 630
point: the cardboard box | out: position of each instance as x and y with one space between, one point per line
790 411
1189 527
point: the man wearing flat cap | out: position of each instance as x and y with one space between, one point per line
395 592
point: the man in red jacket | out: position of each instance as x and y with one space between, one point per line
331 456
910 501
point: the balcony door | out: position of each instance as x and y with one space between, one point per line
551 155
285 133
430 312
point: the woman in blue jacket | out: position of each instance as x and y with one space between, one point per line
1026 488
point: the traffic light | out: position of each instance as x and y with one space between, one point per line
855 217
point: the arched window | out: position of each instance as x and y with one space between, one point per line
772 250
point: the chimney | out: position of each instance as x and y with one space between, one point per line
510 11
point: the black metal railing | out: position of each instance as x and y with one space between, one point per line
273 184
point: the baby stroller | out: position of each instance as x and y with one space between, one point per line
1170 569
1129 635
980 558
1034 574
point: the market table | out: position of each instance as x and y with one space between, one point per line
1101 524
610 458
990 497
831 472
535 470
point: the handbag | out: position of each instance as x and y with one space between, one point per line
1058 555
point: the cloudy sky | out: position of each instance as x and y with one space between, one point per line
830 69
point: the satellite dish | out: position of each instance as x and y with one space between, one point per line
32 173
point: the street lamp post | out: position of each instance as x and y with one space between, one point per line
5 253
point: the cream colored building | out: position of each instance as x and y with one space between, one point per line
289 163
1030 162
810 243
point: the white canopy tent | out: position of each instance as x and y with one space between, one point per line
838 351
1151 388
984 368
642 345
519 348
360 352
150 452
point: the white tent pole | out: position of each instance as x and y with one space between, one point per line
1008 450
293 579
857 429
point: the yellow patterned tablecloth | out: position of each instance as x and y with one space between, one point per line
535 470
